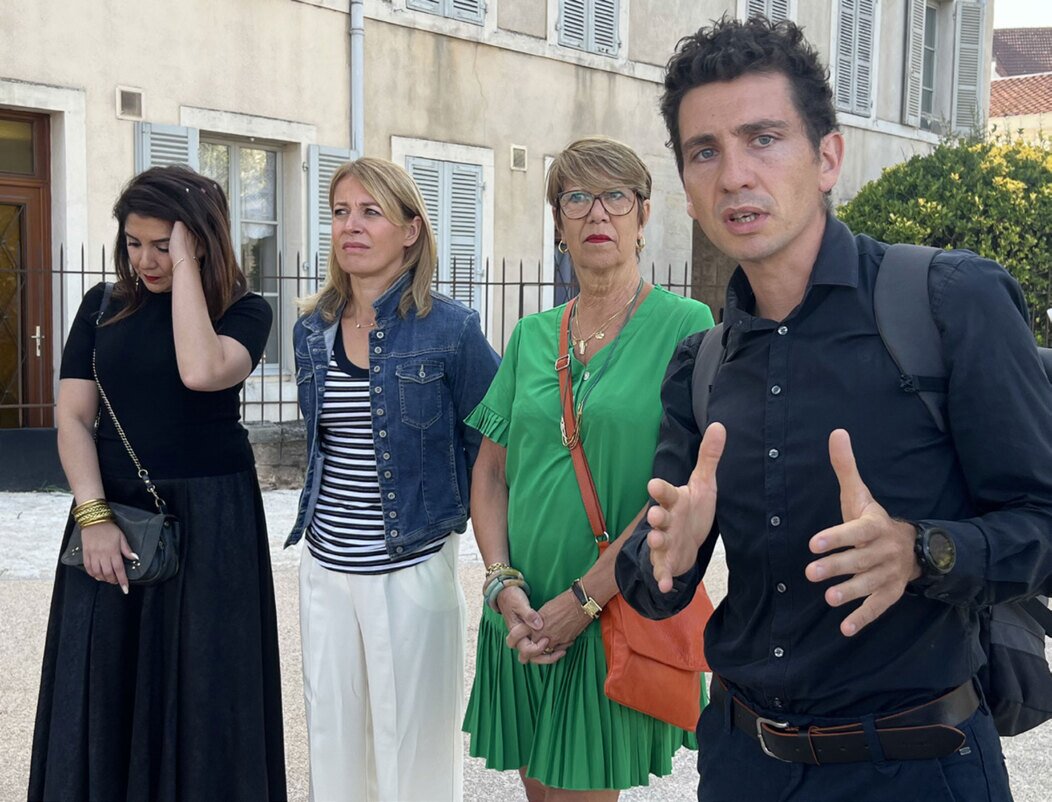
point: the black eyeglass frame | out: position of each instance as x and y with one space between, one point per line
636 197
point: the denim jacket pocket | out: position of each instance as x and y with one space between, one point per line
420 392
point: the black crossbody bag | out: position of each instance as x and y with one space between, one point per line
153 535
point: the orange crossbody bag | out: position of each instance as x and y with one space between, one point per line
651 666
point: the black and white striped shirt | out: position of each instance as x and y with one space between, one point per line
346 532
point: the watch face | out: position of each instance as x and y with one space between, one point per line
942 554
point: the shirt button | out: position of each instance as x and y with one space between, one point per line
776 390
776 521
773 453
387 455
378 350
383 433
783 330
780 587
379 335
779 651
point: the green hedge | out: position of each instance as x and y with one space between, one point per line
992 197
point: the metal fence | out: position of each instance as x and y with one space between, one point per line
37 308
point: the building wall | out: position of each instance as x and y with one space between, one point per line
1028 126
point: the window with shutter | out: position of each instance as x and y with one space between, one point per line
165 144
968 67
592 25
853 87
911 91
774 10
465 10
453 194
322 164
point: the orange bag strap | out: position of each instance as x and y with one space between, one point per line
572 437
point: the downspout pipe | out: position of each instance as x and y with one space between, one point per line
357 76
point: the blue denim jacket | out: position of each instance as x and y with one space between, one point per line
426 375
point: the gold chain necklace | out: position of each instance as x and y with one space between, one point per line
599 333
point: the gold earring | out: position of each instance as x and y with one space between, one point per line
641 243
138 281
562 246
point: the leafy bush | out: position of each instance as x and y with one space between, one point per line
993 197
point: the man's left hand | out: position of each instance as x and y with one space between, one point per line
878 550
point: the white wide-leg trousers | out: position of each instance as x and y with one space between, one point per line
383 681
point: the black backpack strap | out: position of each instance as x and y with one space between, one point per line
1037 609
706 366
903 312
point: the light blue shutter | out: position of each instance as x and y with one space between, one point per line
914 65
322 164
572 28
465 229
968 67
604 28
430 6
157 145
865 28
469 10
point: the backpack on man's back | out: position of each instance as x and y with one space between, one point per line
1016 680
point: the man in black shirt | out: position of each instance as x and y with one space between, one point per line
860 538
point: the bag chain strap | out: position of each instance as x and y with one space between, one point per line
143 473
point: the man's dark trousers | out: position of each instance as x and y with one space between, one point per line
733 768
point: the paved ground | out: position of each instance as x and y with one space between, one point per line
30 529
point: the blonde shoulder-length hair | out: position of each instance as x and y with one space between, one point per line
400 201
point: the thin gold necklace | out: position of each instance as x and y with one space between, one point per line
599 333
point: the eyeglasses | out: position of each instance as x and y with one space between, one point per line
576 203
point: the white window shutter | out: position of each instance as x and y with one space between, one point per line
604 28
469 10
427 173
968 67
777 10
845 54
914 62
465 229
322 164
157 145
864 35
430 6
572 28
756 8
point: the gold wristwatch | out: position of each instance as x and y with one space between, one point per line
588 604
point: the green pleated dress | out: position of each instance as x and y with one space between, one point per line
555 720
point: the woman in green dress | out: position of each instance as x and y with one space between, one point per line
537 704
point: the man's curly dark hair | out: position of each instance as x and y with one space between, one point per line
729 49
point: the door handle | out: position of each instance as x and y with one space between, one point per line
38 337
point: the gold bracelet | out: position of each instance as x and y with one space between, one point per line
494 567
93 511
184 258
100 519
89 503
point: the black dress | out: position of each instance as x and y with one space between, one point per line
172 692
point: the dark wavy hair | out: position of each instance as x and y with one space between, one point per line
729 49
176 193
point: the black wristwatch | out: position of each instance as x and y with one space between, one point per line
935 549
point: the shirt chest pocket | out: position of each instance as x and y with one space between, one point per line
420 392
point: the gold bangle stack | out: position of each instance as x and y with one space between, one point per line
91 512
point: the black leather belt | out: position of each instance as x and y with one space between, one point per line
919 733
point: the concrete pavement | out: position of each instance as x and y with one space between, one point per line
30 529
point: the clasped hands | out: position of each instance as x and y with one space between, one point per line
541 636
875 551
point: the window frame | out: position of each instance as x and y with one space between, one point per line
449 10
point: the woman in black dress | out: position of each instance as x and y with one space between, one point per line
168 692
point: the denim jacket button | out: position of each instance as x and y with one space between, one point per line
394 533
387 455
383 433
378 350
379 412
391 495
392 514
376 368
399 549
379 335
387 474
378 389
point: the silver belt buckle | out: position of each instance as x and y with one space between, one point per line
778 725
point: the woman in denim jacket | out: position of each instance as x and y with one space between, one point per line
386 372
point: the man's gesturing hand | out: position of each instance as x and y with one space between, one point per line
684 515
878 550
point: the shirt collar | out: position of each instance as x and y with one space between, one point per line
836 265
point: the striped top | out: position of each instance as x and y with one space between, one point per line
346 532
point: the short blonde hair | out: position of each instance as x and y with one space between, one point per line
400 201
598 162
